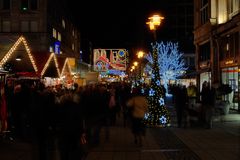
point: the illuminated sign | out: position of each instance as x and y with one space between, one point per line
57 47
229 62
109 59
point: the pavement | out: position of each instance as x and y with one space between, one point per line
192 143
221 142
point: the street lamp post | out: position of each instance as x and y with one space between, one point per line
153 23
158 114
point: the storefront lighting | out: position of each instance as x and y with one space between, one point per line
18 58
229 62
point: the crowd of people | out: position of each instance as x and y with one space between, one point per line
55 116
71 119
186 100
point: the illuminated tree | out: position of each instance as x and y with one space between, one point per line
157 114
170 61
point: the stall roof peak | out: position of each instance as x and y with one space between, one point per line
10 52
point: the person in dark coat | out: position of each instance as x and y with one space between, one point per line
70 127
208 95
181 98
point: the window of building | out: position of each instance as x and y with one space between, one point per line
234 44
6 4
54 33
24 5
34 26
237 42
233 7
6 26
50 49
222 15
24 26
192 61
230 47
59 36
63 23
205 52
73 47
73 33
224 50
34 4
204 11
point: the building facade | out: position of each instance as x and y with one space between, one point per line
217 42
44 24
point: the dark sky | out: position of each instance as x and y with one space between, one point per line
122 23
114 23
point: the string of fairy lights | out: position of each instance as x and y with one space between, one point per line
157 114
22 39
14 47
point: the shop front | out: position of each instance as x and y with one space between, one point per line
231 76
204 76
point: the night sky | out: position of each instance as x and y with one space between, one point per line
121 23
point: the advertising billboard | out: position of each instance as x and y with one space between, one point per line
109 59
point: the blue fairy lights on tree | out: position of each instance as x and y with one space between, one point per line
170 61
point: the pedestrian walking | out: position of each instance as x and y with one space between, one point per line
208 102
139 106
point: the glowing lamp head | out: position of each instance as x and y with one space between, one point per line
140 54
154 21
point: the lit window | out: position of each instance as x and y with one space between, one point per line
59 36
63 23
54 33
73 33
73 47
24 5
50 49
233 7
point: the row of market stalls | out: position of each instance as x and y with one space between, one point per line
22 63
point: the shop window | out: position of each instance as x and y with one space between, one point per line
6 4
